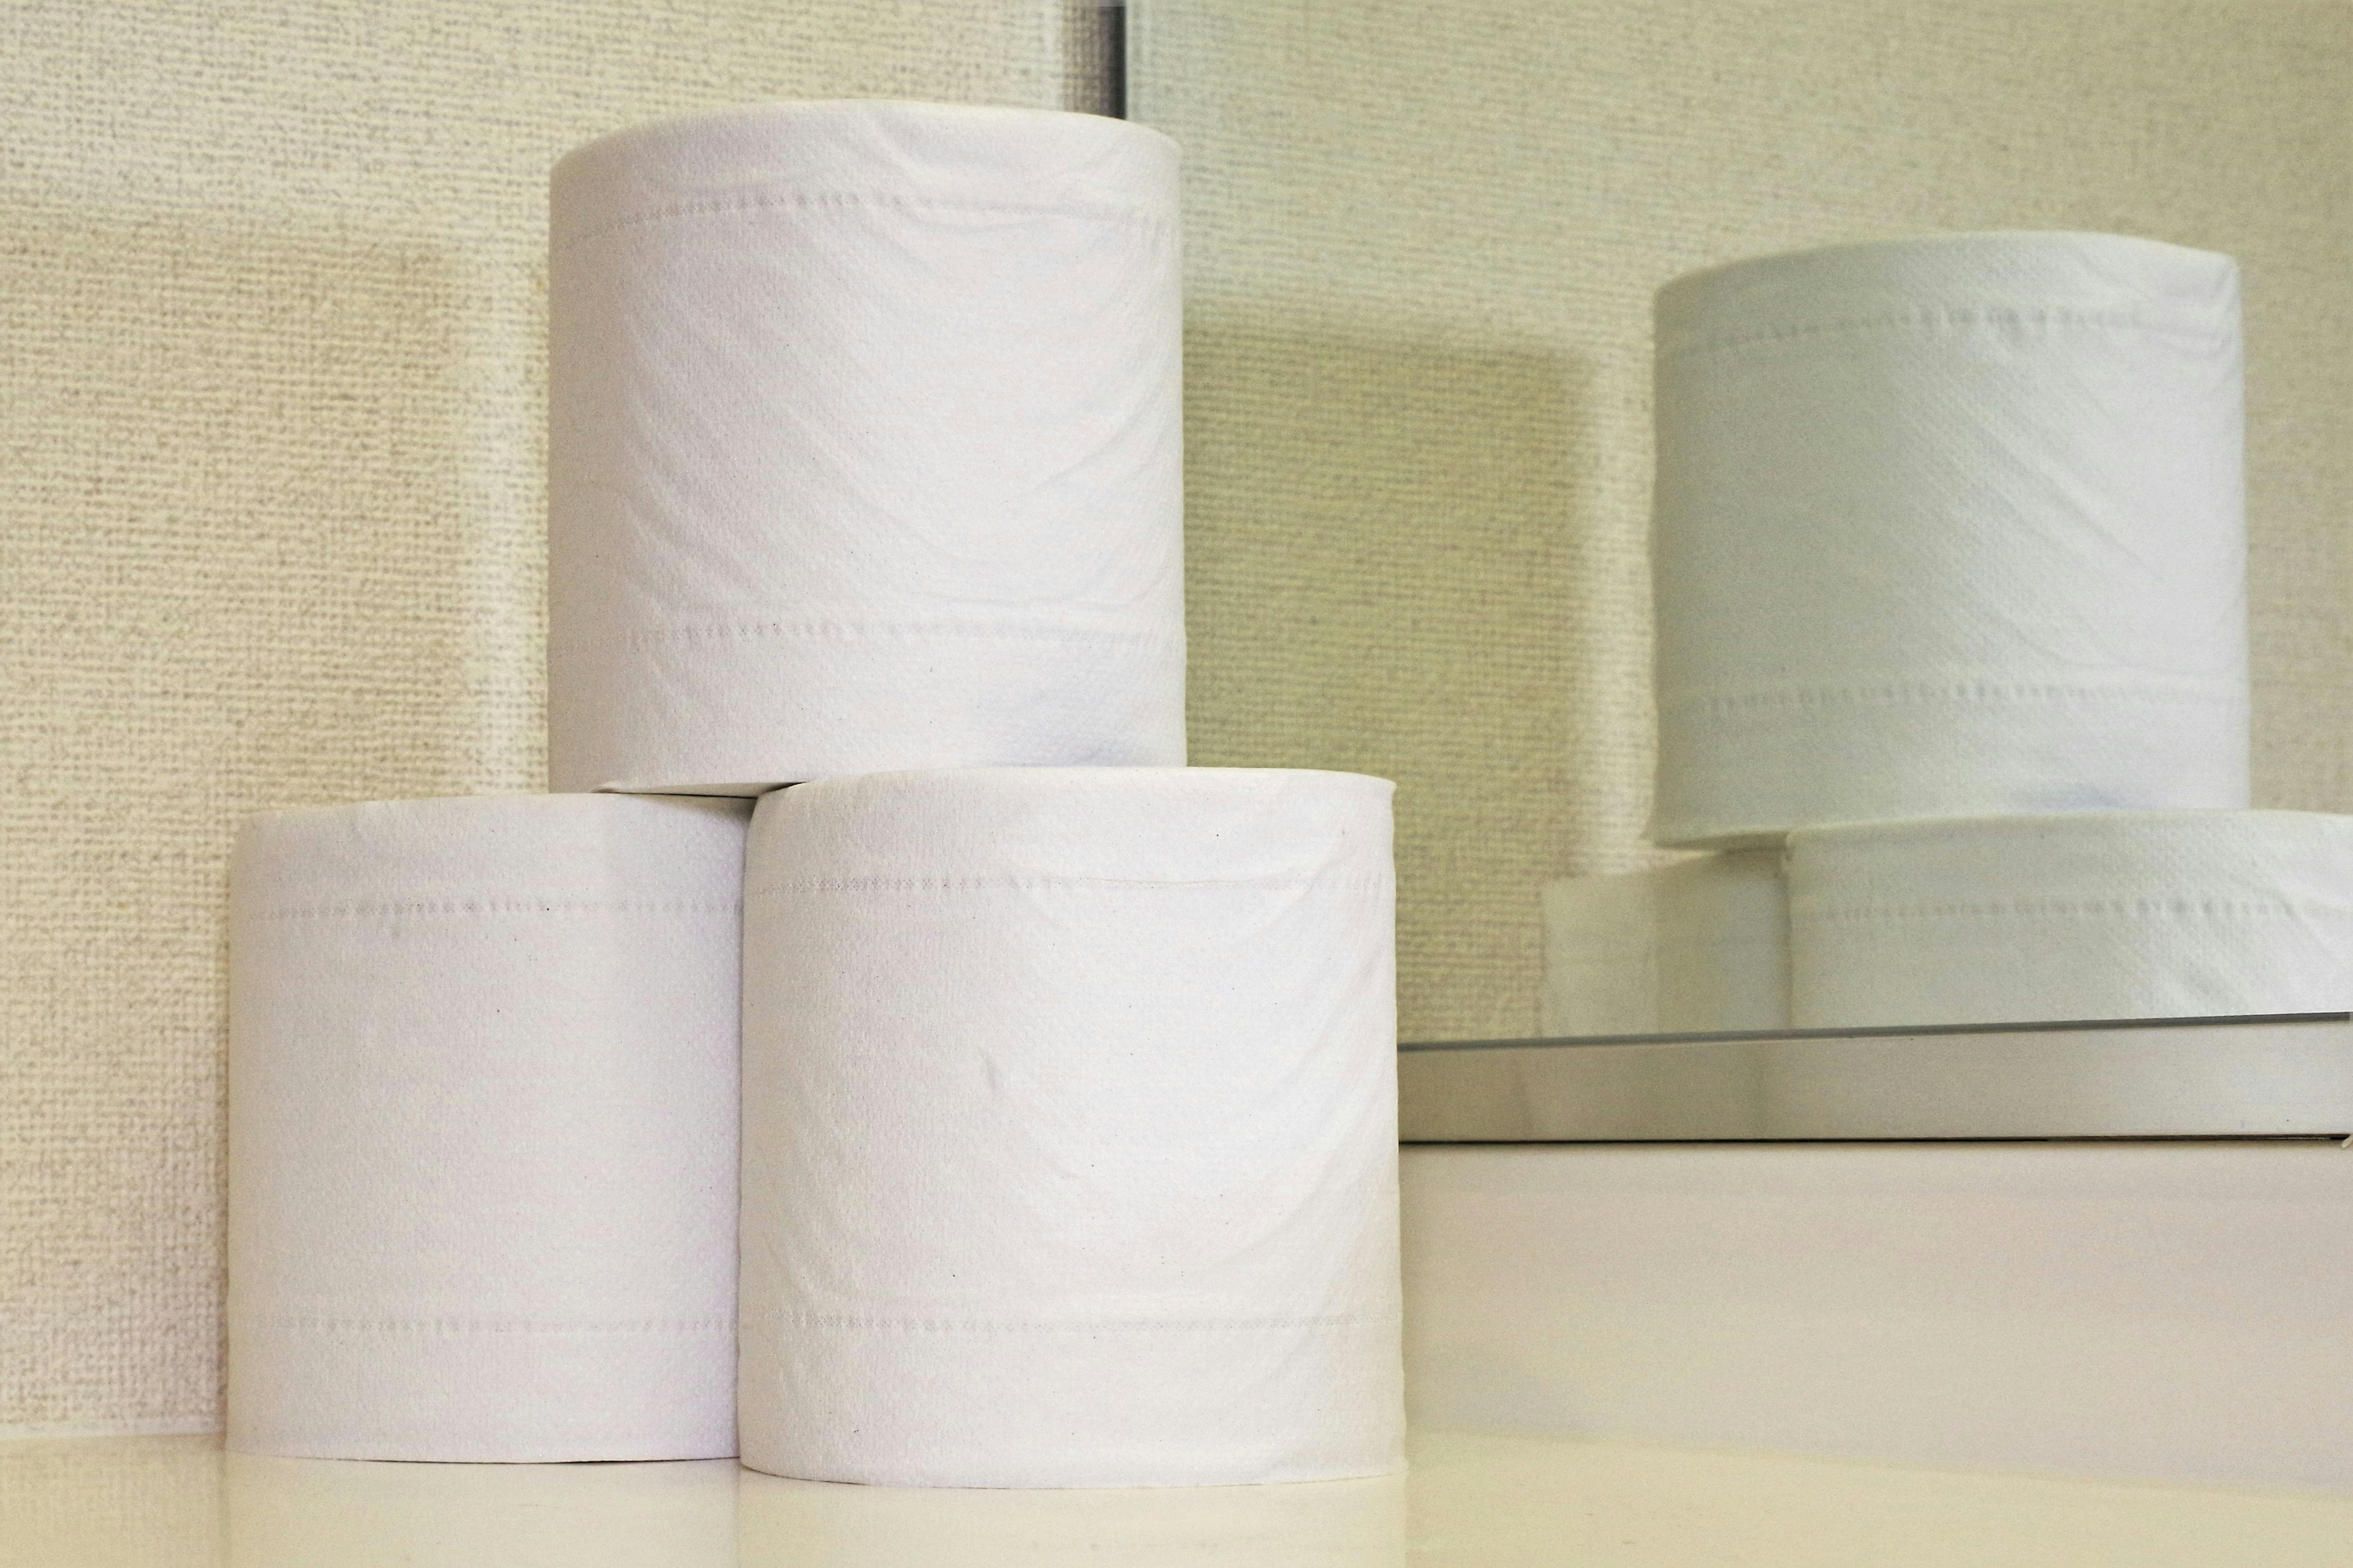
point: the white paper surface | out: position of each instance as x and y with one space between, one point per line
1948 527
864 447
1699 945
2040 919
482 1130
1069 1129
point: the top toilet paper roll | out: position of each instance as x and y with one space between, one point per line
482 1128
2072 916
864 447
1948 527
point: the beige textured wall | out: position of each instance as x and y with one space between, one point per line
1422 236
270 341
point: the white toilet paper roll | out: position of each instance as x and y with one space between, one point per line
482 1144
864 447
1693 947
1069 1151
1948 527
2042 919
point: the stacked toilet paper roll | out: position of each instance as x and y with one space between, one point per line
864 448
482 1130
2077 916
1948 527
1950 531
1072 1141
1069 1129
1698 946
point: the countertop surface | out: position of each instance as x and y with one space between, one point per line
1493 1500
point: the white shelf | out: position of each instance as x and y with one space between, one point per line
2280 1076
1492 1502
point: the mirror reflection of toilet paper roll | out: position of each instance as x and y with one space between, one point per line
1948 527
1070 1125
2053 918
864 447
482 1128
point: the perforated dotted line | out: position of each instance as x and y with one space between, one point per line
1824 696
756 629
1112 1325
822 200
500 907
1961 317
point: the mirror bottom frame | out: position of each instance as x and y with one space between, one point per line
2285 1074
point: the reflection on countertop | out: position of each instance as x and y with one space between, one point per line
1493 1500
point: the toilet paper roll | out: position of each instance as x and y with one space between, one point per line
1069 1153
864 447
1948 527
1694 947
2046 919
481 1141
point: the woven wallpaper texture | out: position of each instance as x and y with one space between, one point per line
272 333
1422 236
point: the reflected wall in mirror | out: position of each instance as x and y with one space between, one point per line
1422 244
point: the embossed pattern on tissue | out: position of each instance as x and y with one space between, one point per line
819 201
1079 1326
756 629
1959 691
1956 316
1361 882
2227 909
454 1326
503 906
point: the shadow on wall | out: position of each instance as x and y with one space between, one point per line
232 531
1383 539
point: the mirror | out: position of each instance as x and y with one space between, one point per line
1423 248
